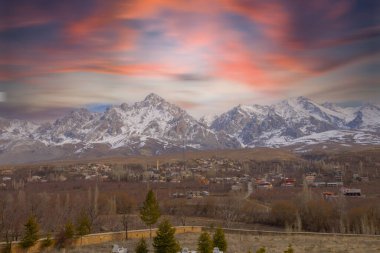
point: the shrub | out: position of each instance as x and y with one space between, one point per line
261 250
289 250
283 213
319 216
47 242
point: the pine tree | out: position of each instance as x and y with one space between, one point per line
141 246
65 236
83 225
164 241
31 233
69 230
150 211
204 243
219 240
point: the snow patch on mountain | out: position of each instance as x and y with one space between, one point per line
155 126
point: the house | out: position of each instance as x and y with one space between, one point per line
310 179
237 187
334 184
288 182
7 179
351 192
318 184
329 196
264 185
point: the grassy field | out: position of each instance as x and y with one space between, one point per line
273 243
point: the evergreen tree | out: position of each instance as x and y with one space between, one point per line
219 240
83 225
31 233
204 243
141 246
150 211
69 230
164 241
63 239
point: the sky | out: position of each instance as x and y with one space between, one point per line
205 56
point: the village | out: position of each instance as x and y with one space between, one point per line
229 175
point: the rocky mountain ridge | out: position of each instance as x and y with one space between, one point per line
155 126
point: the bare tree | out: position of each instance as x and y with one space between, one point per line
229 210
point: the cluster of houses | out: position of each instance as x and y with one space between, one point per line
16 179
231 173
191 194
269 180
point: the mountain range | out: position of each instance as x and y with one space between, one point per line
155 126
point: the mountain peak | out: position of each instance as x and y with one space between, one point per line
302 99
154 98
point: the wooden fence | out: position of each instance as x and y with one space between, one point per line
120 236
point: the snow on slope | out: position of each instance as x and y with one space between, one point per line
293 119
296 110
12 131
333 136
152 120
156 125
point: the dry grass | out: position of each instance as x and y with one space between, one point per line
274 244
258 154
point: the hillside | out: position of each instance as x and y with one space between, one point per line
156 127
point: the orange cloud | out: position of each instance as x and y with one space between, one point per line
283 22
129 69
238 63
94 42
272 15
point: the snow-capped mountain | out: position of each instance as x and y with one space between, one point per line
155 126
151 126
366 117
289 121
207 119
15 131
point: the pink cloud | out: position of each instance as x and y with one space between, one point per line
198 28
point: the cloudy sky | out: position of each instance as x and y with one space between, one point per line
205 56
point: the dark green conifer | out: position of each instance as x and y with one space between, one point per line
164 241
31 233
150 211
219 240
204 243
